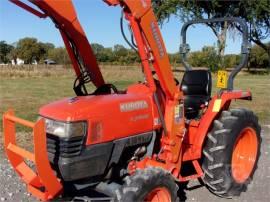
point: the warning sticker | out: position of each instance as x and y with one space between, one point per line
217 105
222 79
177 111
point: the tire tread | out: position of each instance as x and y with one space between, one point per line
216 176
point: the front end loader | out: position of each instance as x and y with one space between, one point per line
136 144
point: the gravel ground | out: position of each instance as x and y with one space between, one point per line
11 188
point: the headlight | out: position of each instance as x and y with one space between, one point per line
65 130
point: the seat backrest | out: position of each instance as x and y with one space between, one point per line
197 82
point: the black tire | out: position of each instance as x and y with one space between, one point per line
139 185
218 150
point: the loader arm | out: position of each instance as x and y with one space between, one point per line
144 25
152 52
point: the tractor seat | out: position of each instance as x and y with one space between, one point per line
196 86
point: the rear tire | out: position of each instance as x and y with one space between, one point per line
222 175
150 184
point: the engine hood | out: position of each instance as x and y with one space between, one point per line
109 117
87 107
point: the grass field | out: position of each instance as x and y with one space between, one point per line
25 90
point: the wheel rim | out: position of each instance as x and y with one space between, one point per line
159 194
244 155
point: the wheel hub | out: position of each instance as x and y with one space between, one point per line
244 154
159 194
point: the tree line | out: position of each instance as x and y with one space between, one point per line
30 50
255 13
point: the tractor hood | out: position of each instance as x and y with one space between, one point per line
109 117
88 107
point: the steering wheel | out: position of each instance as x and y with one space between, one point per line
79 84
106 89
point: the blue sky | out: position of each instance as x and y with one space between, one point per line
101 24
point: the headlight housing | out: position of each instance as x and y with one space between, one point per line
66 129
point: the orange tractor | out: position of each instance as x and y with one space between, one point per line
136 144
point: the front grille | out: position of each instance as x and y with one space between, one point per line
64 147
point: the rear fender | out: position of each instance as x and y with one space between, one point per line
216 106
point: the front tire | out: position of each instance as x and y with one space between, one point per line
231 152
150 184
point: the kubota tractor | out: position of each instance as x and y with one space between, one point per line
137 144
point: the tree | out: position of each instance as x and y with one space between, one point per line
46 47
120 53
59 55
190 10
97 48
207 57
257 13
119 48
131 57
107 55
258 57
29 49
231 60
5 49
13 55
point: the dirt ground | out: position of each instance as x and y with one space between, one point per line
11 188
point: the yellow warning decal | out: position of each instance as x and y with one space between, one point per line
222 79
217 105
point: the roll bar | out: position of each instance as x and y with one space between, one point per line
245 49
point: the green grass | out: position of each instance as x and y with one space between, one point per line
27 94
259 85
